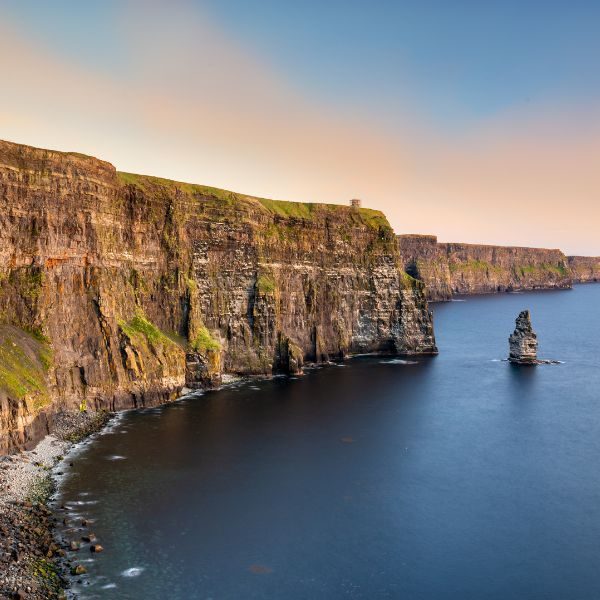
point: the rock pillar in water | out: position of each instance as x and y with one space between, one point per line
523 342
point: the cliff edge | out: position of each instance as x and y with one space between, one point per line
585 269
453 268
118 290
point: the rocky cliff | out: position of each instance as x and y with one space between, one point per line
451 268
118 290
585 269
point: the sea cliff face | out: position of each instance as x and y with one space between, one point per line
118 290
585 269
451 268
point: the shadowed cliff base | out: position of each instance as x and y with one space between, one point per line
137 287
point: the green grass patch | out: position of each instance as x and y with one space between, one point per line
288 210
139 325
148 181
24 362
204 341
409 279
374 218
265 284
309 210
560 270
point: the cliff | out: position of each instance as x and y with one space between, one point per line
451 268
584 269
118 290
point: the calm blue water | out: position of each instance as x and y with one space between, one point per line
460 477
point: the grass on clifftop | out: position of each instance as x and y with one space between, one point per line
189 188
295 210
308 210
24 361
282 208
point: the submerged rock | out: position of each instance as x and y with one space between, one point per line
523 341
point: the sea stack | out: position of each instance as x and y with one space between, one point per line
523 342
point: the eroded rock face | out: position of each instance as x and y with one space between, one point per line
450 268
139 286
585 269
523 341
288 356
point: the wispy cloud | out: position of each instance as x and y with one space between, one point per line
191 104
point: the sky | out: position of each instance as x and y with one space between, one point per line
477 121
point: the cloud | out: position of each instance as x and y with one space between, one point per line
190 103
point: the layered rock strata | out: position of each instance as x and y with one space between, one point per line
585 269
118 290
523 341
451 268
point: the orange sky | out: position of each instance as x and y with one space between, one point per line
202 107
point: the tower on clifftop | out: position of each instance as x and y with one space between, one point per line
355 203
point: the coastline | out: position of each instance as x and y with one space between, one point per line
32 563
35 558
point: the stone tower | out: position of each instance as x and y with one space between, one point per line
355 203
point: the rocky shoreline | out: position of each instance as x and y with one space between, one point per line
35 562
32 564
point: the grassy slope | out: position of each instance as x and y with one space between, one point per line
24 361
281 208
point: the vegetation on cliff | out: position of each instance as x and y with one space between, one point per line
306 211
147 285
204 342
585 269
453 268
139 325
149 182
265 284
24 362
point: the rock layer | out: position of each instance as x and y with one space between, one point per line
121 289
585 269
451 268
523 341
